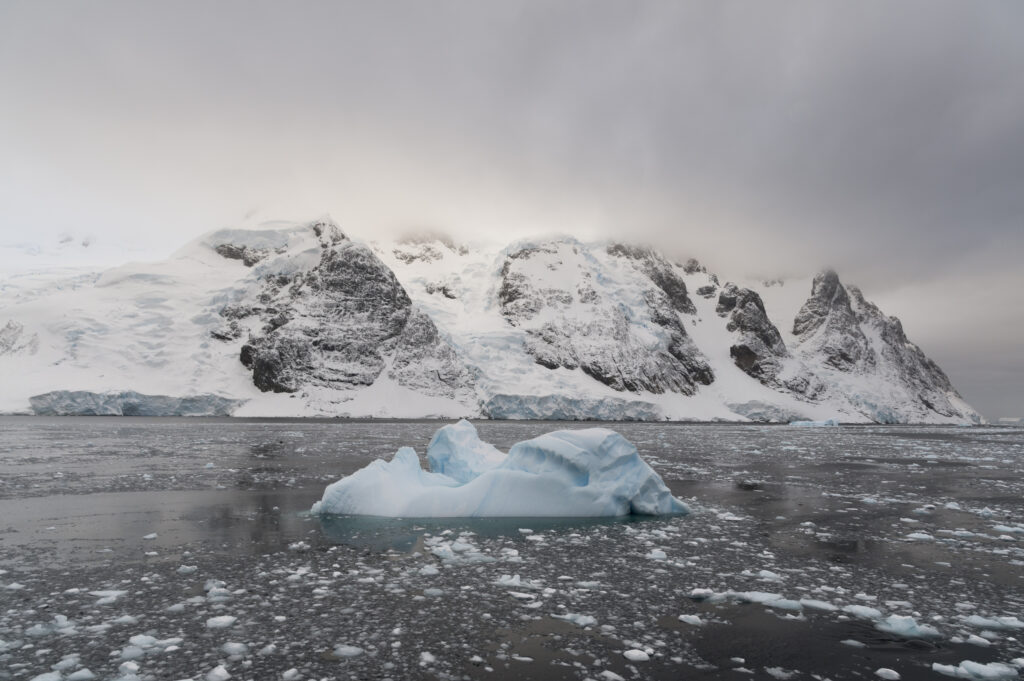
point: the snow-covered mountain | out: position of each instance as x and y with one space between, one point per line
299 319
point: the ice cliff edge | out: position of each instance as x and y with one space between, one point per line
567 473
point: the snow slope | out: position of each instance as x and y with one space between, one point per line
552 328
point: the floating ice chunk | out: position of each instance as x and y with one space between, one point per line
458 452
84 674
234 648
815 604
218 673
577 619
48 676
692 620
864 611
609 675
976 670
996 623
888 674
656 554
636 655
907 627
590 472
151 535
920 536
342 650
220 622
805 424
107 597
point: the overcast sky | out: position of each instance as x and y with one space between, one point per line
883 138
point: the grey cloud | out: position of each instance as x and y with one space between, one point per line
885 139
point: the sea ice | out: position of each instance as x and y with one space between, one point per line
976 670
590 472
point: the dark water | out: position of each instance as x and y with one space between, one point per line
923 523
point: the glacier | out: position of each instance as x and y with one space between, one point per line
293 319
566 473
129 403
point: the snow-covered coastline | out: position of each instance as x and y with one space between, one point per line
298 319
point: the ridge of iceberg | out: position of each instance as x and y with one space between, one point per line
567 473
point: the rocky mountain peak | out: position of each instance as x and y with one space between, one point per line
341 323
828 324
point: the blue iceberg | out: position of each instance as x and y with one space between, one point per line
568 473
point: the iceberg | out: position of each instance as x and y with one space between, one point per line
567 473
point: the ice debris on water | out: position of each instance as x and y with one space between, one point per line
589 472
977 670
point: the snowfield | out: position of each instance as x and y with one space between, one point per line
297 319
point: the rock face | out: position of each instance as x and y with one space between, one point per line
760 348
553 292
342 324
828 325
865 353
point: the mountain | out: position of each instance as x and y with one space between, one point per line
299 319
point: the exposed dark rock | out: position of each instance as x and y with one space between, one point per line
249 256
229 332
444 288
840 331
600 337
828 324
660 271
341 323
707 291
692 266
760 349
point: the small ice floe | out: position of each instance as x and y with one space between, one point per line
83 674
221 622
108 596
888 674
692 620
187 569
635 655
151 535
515 581
218 673
994 623
815 424
992 671
656 554
863 611
577 619
771 600
906 627
344 650
588 472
